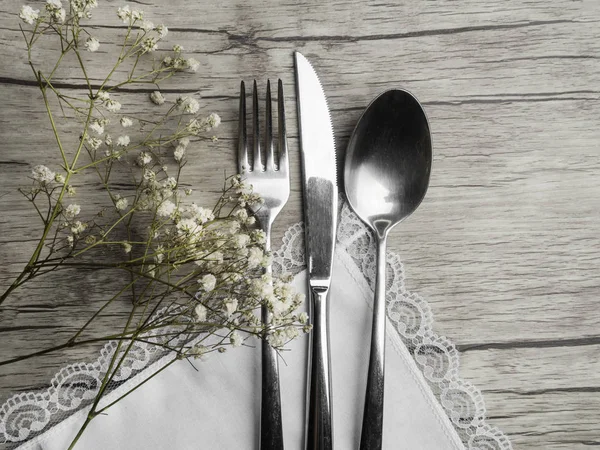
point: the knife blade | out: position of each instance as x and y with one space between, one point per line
320 193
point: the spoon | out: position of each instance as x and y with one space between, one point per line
386 174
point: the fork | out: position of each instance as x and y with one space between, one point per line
272 182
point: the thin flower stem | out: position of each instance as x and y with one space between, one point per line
53 124
55 210
99 311
166 366
67 344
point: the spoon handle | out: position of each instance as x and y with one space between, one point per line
372 427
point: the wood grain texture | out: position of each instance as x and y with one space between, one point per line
505 246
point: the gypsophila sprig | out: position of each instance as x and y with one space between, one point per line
192 275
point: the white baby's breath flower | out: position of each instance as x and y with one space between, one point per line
162 31
82 7
188 104
71 191
241 240
303 319
184 141
72 210
157 98
137 15
59 178
97 127
92 44
126 122
144 159
177 48
290 333
194 126
108 140
149 175
231 306
216 257
57 12
149 45
124 13
55 4
202 215
78 227
166 208
255 257
60 15
276 340
192 106
267 258
263 286
193 64
213 120
171 182
147 25
235 339
42 174
123 141
179 153
160 254
201 312
28 14
112 105
188 227
126 247
121 203
259 236
103 96
241 214
234 227
208 282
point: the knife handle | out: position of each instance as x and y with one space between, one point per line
319 434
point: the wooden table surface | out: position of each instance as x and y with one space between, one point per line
505 247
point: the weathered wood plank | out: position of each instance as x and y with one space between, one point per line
505 246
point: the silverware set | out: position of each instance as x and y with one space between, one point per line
386 175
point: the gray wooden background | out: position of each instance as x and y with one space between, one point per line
505 246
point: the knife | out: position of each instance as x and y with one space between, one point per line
320 223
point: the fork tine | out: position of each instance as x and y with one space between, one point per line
257 164
242 137
269 130
283 147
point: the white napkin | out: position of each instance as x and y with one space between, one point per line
217 406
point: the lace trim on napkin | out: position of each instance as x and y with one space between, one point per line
27 415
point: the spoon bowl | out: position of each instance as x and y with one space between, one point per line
388 160
386 174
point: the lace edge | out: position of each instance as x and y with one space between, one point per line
435 355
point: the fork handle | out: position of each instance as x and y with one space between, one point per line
319 434
271 429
